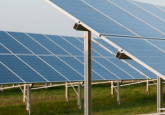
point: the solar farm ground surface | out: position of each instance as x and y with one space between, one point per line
134 100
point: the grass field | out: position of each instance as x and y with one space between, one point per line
134 100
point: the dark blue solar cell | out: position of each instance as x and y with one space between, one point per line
101 70
159 43
3 50
143 15
81 59
124 18
104 72
79 44
7 77
100 50
153 9
22 70
44 69
76 64
92 18
29 43
75 42
105 44
64 44
48 44
144 51
12 44
127 68
63 68
79 66
141 68
114 69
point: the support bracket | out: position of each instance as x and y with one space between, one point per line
121 55
79 27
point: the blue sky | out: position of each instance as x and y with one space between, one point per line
37 16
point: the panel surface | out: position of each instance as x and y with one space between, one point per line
12 44
126 19
148 18
65 45
153 9
3 50
144 51
141 68
117 65
63 68
37 58
21 69
29 43
46 42
43 68
6 76
92 18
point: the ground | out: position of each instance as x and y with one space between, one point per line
134 100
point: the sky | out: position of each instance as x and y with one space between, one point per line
37 16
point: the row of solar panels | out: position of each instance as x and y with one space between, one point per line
35 58
124 18
117 17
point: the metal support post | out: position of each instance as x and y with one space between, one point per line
79 101
159 94
139 82
148 88
46 84
112 89
28 107
24 94
87 74
118 92
2 86
66 92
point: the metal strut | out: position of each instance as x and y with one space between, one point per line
159 94
87 73
79 101
28 104
118 93
87 68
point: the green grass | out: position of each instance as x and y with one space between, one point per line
134 100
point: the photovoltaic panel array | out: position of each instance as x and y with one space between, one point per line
132 62
38 58
152 9
113 17
151 52
126 19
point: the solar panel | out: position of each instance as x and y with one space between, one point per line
112 17
152 9
48 58
91 17
19 67
129 16
148 18
109 58
144 51
126 18
132 62
7 76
